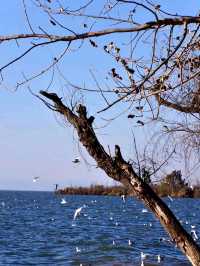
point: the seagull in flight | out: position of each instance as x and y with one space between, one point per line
63 201
78 211
76 160
35 179
78 249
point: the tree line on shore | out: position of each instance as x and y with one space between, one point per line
172 185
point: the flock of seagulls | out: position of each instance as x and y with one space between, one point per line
143 256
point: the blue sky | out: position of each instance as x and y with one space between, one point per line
34 142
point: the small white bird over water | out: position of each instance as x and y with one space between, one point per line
194 235
63 201
78 211
169 197
143 256
35 179
123 197
130 242
144 210
159 258
78 250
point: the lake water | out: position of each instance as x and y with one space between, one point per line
36 229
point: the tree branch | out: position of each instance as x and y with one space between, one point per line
178 107
122 171
148 25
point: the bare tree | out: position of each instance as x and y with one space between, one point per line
160 85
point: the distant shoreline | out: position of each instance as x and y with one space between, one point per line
184 192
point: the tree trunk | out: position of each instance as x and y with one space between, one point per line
121 171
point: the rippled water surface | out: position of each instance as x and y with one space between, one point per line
36 229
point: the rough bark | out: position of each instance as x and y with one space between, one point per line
190 108
120 170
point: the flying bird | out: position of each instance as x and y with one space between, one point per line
76 160
35 179
78 212
63 201
144 210
78 249
194 235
